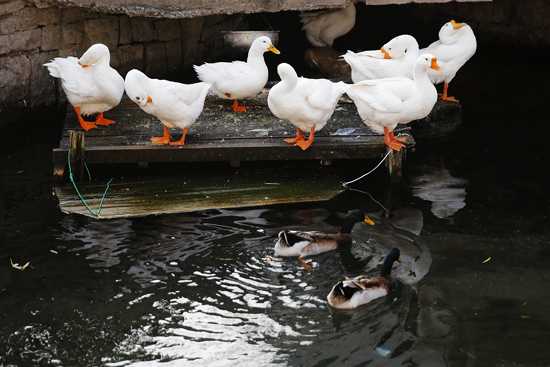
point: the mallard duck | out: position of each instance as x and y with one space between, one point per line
395 59
456 45
384 103
309 243
92 86
307 103
351 293
176 105
236 80
323 27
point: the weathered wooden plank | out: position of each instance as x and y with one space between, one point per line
139 197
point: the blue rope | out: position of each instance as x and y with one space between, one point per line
82 200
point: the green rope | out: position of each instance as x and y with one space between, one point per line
82 200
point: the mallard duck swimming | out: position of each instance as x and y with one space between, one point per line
174 104
236 80
323 27
456 45
385 103
307 103
395 59
351 293
90 83
309 243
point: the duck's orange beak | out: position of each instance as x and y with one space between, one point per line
368 221
386 53
149 99
83 65
457 25
434 64
274 50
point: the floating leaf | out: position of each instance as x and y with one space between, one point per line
19 267
487 260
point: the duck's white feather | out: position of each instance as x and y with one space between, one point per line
323 27
174 104
388 102
306 103
371 64
96 88
454 48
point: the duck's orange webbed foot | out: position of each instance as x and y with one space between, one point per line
238 107
305 144
393 142
162 140
85 125
445 97
305 264
101 120
181 141
299 136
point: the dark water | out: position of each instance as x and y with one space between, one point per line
471 219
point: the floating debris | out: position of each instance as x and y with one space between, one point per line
19 267
487 260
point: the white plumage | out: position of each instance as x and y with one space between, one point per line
176 105
90 83
323 27
236 80
395 59
456 45
307 103
384 103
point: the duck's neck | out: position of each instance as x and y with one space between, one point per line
255 56
420 75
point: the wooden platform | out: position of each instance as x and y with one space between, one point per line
221 135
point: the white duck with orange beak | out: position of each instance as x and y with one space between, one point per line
92 86
456 45
238 79
176 105
385 103
395 59
306 103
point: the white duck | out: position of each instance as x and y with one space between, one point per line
395 59
384 103
176 105
90 83
456 45
307 103
236 80
323 27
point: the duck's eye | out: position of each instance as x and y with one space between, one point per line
405 50
138 98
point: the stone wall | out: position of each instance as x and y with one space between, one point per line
32 33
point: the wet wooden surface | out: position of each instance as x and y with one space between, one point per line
138 197
221 135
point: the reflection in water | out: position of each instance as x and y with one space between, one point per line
195 290
446 193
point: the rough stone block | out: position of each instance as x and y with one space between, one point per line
15 75
173 56
72 15
142 30
51 38
125 30
102 30
191 31
130 56
155 60
43 90
168 30
28 18
11 7
72 34
20 41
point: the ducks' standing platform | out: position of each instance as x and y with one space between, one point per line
221 135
